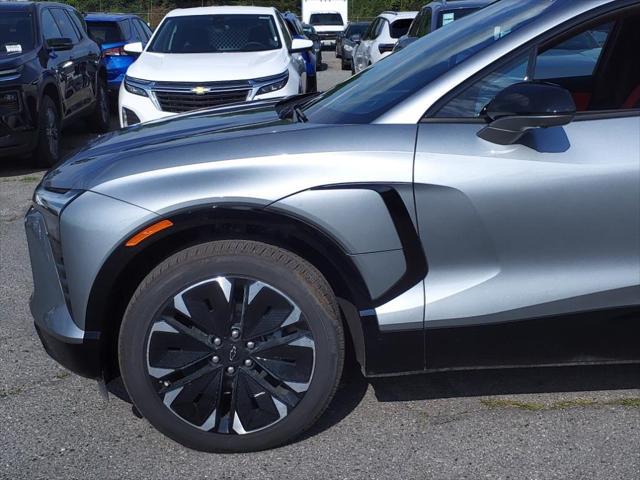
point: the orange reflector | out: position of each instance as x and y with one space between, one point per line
147 232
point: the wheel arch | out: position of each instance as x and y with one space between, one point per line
126 267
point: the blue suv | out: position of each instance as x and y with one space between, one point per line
112 31
296 29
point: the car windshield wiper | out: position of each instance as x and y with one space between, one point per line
291 107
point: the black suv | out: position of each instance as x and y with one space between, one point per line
50 73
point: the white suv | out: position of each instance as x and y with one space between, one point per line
212 56
380 38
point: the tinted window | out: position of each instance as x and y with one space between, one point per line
49 27
78 21
326 19
372 92
285 31
400 27
16 32
568 60
105 32
143 30
445 18
64 23
127 32
216 33
377 28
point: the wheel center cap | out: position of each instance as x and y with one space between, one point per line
233 353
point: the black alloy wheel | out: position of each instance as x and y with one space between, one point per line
230 355
232 346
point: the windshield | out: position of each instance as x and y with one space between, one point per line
366 96
325 19
356 29
16 32
216 33
105 32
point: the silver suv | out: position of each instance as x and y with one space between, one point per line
471 210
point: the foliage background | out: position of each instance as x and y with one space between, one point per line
153 10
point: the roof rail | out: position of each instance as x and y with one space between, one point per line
390 12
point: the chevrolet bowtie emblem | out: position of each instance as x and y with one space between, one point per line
200 90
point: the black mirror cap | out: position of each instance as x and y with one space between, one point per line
531 98
525 106
60 44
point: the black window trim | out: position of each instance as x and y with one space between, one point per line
596 15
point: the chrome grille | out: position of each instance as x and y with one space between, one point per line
179 97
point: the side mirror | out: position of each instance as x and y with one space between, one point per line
134 48
525 106
300 45
59 44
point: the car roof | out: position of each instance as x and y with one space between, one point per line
230 10
444 4
108 17
393 16
29 5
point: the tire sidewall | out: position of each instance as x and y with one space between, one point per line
44 156
144 308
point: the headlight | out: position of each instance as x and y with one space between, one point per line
136 86
348 48
278 84
50 203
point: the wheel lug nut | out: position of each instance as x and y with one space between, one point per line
230 370
215 359
217 342
248 363
235 333
250 345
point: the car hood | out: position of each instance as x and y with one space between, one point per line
142 148
209 67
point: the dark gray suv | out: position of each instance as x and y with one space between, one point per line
474 209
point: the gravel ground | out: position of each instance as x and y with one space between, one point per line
515 423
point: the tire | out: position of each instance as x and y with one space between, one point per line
312 84
338 55
206 291
47 151
101 116
345 64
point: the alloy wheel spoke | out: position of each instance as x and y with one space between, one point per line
191 331
187 374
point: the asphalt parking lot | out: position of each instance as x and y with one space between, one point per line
545 423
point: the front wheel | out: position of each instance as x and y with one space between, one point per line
101 118
232 346
47 151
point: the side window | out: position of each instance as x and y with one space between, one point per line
49 27
145 28
470 102
285 31
415 25
570 61
370 35
127 33
379 27
65 25
78 21
425 25
140 34
290 27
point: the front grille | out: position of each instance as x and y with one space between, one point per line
328 35
185 101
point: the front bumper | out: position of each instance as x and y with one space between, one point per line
148 108
18 133
72 347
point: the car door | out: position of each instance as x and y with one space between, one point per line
364 54
59 61
549 225
79 88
